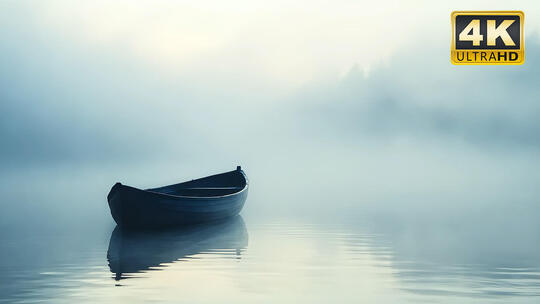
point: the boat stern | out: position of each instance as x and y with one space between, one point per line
115 202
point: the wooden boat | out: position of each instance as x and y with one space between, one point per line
131 252
206 199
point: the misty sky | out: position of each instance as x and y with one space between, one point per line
100 80
308 87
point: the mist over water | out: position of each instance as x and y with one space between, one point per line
460 226
389 181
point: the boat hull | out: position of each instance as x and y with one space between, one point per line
135 208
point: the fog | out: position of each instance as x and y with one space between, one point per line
407 133
435 165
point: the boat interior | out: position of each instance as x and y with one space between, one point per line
215 185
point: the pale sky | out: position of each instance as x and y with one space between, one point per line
276 42
98 77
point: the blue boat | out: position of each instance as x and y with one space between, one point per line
205 199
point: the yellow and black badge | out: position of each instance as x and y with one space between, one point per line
487 37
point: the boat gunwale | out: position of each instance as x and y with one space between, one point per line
195 197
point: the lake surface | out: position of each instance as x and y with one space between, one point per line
245 261
63 247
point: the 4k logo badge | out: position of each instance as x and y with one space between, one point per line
487 37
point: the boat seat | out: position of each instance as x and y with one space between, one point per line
199 191
213 188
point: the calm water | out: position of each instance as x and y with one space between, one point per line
77 255
245 261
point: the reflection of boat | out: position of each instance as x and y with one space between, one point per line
204 199
135 251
